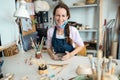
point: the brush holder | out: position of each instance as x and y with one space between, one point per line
42 69
38 55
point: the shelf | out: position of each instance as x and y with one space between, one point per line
91 51
89 30
82 6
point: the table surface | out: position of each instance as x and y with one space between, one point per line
17 65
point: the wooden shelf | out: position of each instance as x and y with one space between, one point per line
82 6
89 30
91 51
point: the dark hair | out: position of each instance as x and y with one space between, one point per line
62 5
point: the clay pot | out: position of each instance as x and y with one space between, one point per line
38 55
83 70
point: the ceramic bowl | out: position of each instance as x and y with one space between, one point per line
83 70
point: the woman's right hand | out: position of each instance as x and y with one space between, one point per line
55 57
52 54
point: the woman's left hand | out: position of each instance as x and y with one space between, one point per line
67 56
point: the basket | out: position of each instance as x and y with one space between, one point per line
90 1
12 50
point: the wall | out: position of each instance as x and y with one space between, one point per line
8 28
109 9
86 15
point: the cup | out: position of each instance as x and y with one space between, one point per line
38 55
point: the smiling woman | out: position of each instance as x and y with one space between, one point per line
61 38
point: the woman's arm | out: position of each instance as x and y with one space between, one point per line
73 53
76 50
52 54
49 44
77 41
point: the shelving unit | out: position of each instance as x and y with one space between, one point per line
82 6
91 30
94 31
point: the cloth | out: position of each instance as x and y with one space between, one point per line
60 45
74 35
26 24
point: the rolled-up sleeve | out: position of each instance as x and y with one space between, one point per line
75 36
49 37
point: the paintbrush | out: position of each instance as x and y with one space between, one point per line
61 69
33 44
99 63
92 63
41 44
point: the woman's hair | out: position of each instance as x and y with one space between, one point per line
62 5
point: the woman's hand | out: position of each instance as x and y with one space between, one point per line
67 56
55 57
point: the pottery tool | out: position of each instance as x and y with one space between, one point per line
37 62
33 44
60 70
104 64
41 44
25 78
110 64
99 63
104 67
56 66
92 63
8 76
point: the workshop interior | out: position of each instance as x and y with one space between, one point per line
24 25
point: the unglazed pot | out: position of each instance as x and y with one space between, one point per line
38 55
83 70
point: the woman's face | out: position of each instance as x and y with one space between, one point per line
60 16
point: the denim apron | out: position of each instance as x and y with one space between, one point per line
60 45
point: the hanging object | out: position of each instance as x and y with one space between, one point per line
107 37
118 33
41 6
22 12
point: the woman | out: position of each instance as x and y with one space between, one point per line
62 38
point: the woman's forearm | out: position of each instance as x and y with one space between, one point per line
50 52
76 50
